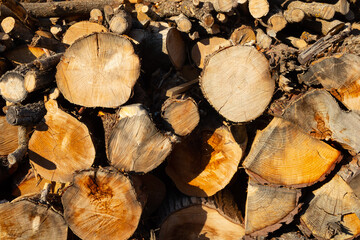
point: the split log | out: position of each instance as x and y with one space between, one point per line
317 113
60 146
206 47
101 199
109 83
243 35
215 217
181 113
268 208
63 8
342 6
28 219
340 75
8 137
333 212
282 154
121 22
17 84
16 29
205 162
258 8
297 42
315 9
81 29
245 80
135 144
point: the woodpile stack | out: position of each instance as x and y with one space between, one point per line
180 119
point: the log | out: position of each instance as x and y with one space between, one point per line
205 162
282 154
48 43
262 39
332 212
317 113
96 16
21 13
183 24
181 114
135 144
247 82
121 22
81 29
297 42
100 199
28 219
63 8
26 115
314 9
8 137
32 184
16 85
294 15
268 208
340 76
223 5
16 29
60 146
243 35
258 8
206 47
109 83
215 217
24 54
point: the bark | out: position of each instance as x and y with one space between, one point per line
16 29
121 22
26 115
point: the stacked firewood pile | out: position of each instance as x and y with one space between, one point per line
180 119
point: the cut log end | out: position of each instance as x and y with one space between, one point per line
109 83
246 81
100 199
